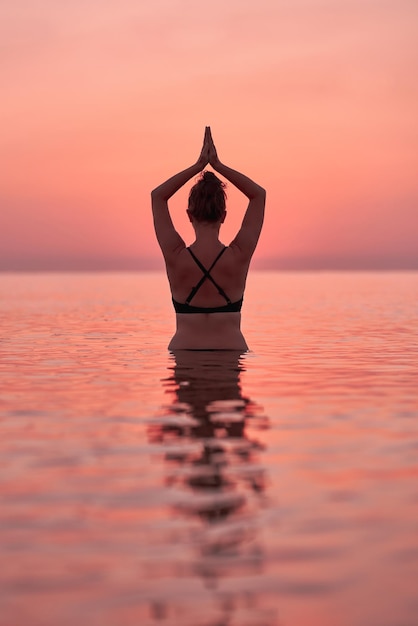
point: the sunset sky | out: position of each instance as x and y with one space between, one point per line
102 100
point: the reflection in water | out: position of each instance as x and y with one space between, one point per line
209 431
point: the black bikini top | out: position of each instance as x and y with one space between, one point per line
229 307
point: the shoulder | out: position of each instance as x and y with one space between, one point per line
239 255
177 256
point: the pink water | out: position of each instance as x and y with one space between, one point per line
278 487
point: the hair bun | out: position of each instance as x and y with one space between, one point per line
209 176
210 179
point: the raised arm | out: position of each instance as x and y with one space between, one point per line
167 236
247 237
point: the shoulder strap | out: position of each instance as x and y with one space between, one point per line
202 267
206 274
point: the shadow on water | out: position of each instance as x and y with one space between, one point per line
208 431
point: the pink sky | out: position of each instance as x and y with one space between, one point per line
316 100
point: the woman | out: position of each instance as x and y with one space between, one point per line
207 279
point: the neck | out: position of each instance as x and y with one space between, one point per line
207 234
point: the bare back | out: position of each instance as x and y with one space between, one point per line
209 330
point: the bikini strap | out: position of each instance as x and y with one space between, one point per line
206 274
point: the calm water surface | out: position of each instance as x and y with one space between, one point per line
273 488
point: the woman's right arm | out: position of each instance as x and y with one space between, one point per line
249 233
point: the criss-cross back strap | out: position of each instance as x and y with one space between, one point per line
206 274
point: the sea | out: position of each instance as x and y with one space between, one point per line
278 487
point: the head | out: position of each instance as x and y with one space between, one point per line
207 200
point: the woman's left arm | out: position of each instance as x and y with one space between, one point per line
167 236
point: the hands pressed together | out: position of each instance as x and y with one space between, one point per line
208 153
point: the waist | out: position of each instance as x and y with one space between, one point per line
231 307
208 332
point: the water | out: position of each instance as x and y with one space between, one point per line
274 488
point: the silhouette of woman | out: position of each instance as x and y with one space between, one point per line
207 279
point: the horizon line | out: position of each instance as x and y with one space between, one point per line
258 264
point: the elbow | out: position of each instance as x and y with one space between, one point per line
259 193
157 194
